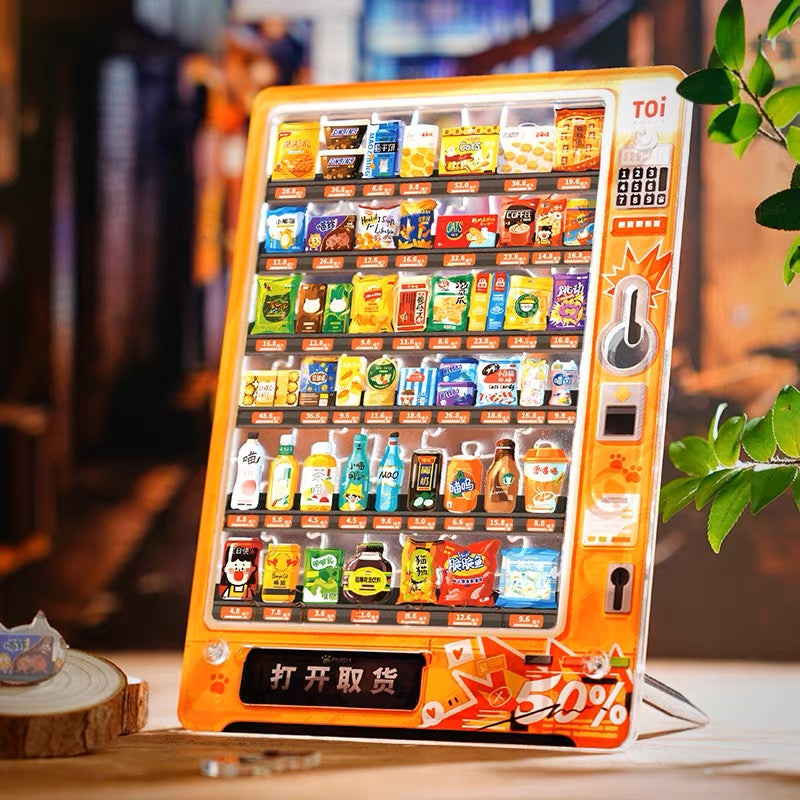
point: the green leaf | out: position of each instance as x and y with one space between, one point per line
727 507
729 34
786 421
761 78
740 147
780 211
758 438
729 440
714 61
712 483
783 17
676 495
713 426
734 123
710 86
793 142
796 494
791 264
693 455
783 106
768 483
795 182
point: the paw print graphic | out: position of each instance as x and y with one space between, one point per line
617 461
218 683
633 474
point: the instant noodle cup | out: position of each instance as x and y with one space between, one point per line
296 151
418 156
372 306
469 149
579 134
526 148
543 470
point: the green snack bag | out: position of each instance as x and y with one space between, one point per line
322 575
275 303
449 307
336 318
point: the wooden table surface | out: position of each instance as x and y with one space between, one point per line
751 749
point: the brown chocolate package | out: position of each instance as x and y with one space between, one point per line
310 308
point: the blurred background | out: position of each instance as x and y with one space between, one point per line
122 138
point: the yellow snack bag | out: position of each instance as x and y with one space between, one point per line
527 303
350 380
469 149
296 151
372 305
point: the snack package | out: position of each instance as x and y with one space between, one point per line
550 222
526 148
380 381
330 232
419 150
350 376
457 369
416 224
418 572
528 578
340 165
322 575
466 230
376 227
469 149
467 572
284 229
568 306
528 302
239 578
317 380
496 313
286 388
296 151
280 573
498 379
455 393
412 297
258 388
579 134
564 380
344 134
372 304
533 381
517 221
449 306
275 303
578 223
384 143
416 386
479 302
310 307
336 317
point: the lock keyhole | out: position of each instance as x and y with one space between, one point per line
620 576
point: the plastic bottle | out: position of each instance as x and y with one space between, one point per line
502 480
318 478
389 481
249 467
283 475
354 487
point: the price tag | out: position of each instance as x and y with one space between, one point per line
337 190
370 616
512 259
583 182
347 417
483 342
377 189
445 343
544 525
327 262
453 417
415 417
366 343
459 260
422 523
316 345
495 417
278 521
459 524
463 187
531 417
239 613
577 256
321 614
521 342
525 621
500 524
387 523
242 521
562 342
408 343
378 417
314 521
266 418
372 262
352 523
546 257
413 618
414 260
469 619
560 417
520 185
270 345
290 192
272 262
277 614
416 187
314 417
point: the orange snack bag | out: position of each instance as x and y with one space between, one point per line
296 151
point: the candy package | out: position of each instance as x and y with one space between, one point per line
310 306
296 151
456 393
336 317
416 224
458 369
418 572
376 227
467 572
340 165
528 578
284 229
381 382
568 306
275 303
412 296
528 302
384 142
258 388
498 380
372 305
344 134
449 306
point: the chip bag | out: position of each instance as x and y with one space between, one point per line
528 578
416 224
528 302
417 572
376 227
449 307
372 304
467 572
275 302
296 151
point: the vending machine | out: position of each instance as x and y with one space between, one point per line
432 484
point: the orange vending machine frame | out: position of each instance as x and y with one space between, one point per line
526 626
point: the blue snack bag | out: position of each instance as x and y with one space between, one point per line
284 229
528 578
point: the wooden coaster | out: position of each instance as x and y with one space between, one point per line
81 709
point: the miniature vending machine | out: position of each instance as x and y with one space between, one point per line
432 485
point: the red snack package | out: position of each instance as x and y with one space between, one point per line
467 572
550 222
517 221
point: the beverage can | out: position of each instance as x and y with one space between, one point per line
463 484
423 486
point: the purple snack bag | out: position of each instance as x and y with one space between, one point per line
455 393
568 306
334 232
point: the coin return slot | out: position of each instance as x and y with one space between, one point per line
620 421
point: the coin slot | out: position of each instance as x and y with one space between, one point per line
619 589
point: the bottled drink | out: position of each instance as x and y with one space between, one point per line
502 480
389 482
283 475
354 487
249 468
318 479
